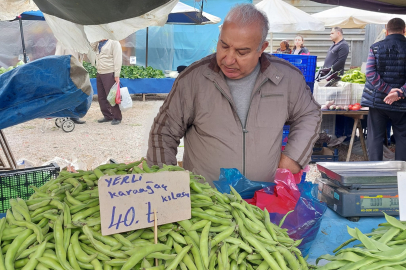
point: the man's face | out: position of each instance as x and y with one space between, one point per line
334 35
237 49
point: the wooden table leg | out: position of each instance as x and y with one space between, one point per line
362 140
354 128
143 97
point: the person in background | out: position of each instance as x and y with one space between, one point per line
338 52
284 48
231 107
108 64
62 50
299 48
385 90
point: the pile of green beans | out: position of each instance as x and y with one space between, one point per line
58 228
384 248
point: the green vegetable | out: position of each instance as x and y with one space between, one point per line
129 72
64 214
354 76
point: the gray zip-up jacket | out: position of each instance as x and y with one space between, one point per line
200 108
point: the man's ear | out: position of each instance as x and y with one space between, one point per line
264 46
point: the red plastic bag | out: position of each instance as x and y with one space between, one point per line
281 198
118 95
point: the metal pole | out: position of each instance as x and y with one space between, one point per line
22 39
146 56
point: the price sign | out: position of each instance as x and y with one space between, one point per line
127 202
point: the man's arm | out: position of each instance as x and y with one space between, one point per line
117 60
373 77
305 121
342 57
170 125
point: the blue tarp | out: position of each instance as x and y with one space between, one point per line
143 86
333 232
44 88
175 45
33 15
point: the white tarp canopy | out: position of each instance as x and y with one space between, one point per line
79 37
10 9
287 18
346 17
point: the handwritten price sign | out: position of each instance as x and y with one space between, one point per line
127 202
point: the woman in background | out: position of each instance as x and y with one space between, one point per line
284 48
299 48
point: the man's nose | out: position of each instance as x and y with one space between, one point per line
229 59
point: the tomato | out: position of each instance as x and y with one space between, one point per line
357 104
356 107
350 107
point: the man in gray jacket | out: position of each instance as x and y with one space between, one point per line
231 107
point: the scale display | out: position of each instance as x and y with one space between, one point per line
378 203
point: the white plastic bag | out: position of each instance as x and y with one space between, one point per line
126 101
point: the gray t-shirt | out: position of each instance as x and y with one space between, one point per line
241 90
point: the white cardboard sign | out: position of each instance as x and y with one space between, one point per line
127 202
402 195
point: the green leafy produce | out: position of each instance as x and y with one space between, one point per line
90 69
129 72
354 76
58 228
4 70
138 72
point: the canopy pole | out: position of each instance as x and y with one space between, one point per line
22 39
146 45
271 41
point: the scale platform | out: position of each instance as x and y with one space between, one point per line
359 189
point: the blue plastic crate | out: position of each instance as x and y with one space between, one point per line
285 139
324 158
306 64
311 85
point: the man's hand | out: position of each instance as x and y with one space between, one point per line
117 79
392 96
287 163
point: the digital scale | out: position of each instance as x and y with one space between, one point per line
356 189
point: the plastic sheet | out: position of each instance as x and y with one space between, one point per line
183 44
304 222
38 37
44 88
279 198
233 177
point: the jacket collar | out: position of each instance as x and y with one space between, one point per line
395 36
267 69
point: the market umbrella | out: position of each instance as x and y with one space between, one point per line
32 16
185 14
386 6
287 18
346 17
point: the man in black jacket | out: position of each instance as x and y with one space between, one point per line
338 52
385 89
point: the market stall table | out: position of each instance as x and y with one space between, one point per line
333 232
357 116
142 86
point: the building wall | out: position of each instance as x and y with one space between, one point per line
318 43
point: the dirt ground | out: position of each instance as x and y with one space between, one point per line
39 141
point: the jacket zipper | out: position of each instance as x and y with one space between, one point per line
244 130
